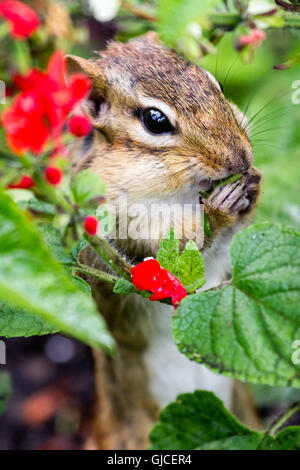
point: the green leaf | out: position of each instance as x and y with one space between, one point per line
15 322
124 287
32 280
36 205
207 228
87 185
5 390
21 56
288 439
199 420
168 252
187 267
75 253
230 179
190 267
52 238
247 329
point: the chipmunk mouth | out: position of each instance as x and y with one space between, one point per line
206 187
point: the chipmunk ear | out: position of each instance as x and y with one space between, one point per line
93 70
151 36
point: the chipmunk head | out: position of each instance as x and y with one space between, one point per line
165 121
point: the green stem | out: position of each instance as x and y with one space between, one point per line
225 20
292 21
231 20
103 276
279 422
52 195
139 12
110 256
4 30
218 20
283 418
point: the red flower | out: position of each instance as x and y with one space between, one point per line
91 225
255 37
53 175
26 182
23 19
24 125
79 126
149 275
52 99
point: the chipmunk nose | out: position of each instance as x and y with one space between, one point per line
241 161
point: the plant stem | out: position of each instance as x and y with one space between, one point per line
52 195
81 268
218 20
138 12
292 21
279 422
110 256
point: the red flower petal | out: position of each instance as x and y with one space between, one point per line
150 276
79 126
143 275
255 37
24 125
26 182
79 86
53 175
91 225
56 69
52 101
23 19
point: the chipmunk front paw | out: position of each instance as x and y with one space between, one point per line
228 203
238 197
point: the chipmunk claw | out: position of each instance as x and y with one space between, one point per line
236 198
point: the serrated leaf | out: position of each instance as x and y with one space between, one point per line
247 329
168 252
187 267
52 238
87 185
32 280
77 249
200 421
5 390
190 267
15 322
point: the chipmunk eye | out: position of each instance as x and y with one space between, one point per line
155 121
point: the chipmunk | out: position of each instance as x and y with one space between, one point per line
162 129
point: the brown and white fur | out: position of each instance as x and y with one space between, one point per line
208 143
